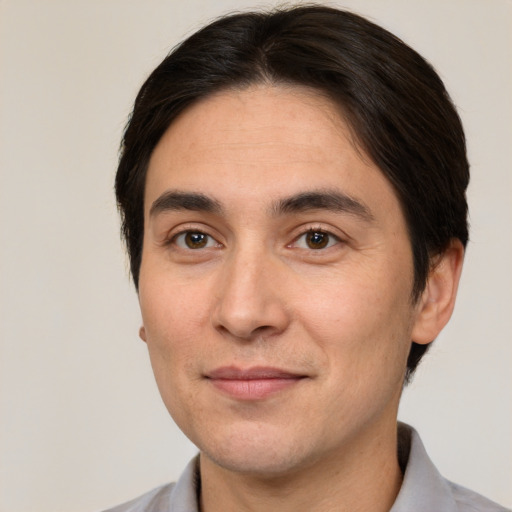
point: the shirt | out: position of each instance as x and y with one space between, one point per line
423 488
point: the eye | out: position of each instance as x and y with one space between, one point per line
194 240
316 239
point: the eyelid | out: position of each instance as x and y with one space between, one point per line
182 229
340 237
182 244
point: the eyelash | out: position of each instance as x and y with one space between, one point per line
204 240
193 232
331 239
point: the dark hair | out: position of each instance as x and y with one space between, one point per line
393 100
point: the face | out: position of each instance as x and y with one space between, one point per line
275 284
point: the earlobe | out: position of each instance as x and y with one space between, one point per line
436 304
142 334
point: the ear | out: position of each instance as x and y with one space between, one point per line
436 303
142 334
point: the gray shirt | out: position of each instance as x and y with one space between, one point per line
423 488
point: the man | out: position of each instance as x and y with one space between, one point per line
292 189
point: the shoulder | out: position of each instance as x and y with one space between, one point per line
424 489
470 501
152 501
178 497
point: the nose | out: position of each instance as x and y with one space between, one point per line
250 300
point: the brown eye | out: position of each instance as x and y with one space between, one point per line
317 239
194 240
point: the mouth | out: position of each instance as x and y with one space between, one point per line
254 383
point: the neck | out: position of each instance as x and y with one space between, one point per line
364 477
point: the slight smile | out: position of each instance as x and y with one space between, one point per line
253 383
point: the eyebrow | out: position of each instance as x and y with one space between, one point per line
174 201
336 201
323 200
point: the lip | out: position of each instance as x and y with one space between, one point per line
254 383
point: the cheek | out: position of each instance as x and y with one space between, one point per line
359 321
174 318
171 321
171 307
364 339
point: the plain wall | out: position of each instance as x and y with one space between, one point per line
82 425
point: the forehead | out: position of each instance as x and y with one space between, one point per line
262 142
245 116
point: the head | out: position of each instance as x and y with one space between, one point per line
397 110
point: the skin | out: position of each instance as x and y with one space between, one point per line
253 289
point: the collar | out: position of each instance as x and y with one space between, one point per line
423 488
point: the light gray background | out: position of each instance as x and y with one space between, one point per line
82 425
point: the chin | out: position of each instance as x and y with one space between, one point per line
257 455
262 465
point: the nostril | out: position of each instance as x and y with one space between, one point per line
264 329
